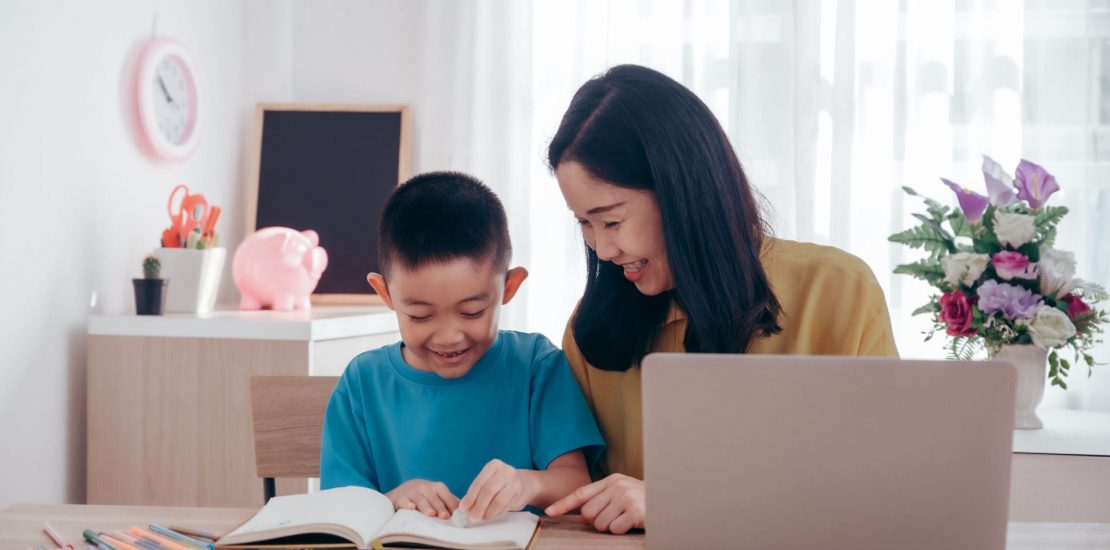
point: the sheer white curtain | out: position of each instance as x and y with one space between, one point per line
475 106
832 107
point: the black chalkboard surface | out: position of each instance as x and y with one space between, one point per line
330 168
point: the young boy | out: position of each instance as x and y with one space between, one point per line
457 407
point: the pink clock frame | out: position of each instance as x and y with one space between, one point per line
154 142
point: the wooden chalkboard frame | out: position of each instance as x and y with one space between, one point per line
255 167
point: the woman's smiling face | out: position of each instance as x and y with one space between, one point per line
621 225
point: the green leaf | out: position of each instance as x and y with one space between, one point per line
926 270
931 307
1097 293
1048 238
929 237
1031 251
935 224
1049 216
910 191
988 218
936 209
1045 222
960 226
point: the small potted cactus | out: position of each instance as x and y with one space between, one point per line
150 291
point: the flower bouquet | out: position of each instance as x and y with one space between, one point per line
1000 279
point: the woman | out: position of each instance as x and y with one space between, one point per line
680 259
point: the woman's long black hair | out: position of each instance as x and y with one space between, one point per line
637 128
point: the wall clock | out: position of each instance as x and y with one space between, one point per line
167 91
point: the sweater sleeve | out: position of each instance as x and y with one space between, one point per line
877 338
578 365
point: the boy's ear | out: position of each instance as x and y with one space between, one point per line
513 280
377 281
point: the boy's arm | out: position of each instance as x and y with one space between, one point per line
500 487
565 474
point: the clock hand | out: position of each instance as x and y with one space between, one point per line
166 92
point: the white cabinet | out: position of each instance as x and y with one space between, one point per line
1062 473
169 396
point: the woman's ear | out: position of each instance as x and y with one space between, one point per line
377 281
513 280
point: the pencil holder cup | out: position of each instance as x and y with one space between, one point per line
195 275
150 295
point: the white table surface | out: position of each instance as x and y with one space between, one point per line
322 322
1067 432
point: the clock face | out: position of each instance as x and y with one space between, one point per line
172 98
167 95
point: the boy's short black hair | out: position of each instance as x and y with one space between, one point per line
443 216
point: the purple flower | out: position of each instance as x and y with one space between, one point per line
972 203
1034 184
1000 186
1013 302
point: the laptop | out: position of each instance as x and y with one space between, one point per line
750 451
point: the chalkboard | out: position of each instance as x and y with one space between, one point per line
330 168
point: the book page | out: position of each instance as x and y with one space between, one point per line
362 511
514 527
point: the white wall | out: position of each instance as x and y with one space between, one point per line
80 205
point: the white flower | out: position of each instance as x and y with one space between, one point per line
1013 229
1050 328
964 267
1057 269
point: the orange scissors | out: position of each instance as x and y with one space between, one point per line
192 212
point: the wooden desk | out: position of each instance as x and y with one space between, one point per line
21 527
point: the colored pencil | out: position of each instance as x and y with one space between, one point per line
118 543
188 541
160 541
195 533
56 536
99 542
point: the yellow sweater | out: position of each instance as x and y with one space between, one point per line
831 305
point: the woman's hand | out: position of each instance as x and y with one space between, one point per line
432 498
614 504
499 488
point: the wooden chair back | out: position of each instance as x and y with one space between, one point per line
288 417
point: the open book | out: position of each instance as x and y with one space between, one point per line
356 516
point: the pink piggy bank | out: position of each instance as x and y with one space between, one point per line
278 267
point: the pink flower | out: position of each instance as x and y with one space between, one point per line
955 311
1009 264
1076 307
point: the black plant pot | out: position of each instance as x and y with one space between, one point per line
150 295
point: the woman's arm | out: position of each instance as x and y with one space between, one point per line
614 504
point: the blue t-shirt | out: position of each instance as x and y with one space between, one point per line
387 423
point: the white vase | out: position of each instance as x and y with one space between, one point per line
194 277
1032 371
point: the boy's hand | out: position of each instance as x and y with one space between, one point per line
614 504
432 498
498 488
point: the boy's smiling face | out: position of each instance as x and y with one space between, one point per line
447 311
